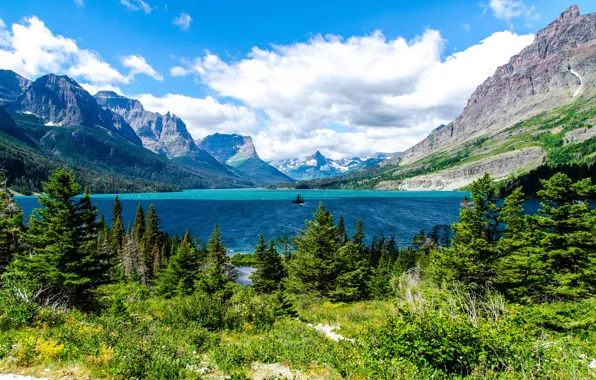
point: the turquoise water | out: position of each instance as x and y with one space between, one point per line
243 214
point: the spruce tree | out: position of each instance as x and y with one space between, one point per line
62 242
218 270
116 209
181 275
473 253
349 283
11 225
342 234
139 225
312 268
270 270
359 234
151 239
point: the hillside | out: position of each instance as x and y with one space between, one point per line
30 151
538 109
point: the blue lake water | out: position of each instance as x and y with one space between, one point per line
244 214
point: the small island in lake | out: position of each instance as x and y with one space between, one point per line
299 200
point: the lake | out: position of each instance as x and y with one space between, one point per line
243 214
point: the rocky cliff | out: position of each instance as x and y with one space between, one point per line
558 67
239 152
59 100
12 85
165 135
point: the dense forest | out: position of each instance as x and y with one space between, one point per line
500 294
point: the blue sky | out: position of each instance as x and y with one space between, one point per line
219 97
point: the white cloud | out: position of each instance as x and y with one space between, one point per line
138 65
510 9
204 116
354 96
137 5
79 3
31 49
183 21
466 27
93 89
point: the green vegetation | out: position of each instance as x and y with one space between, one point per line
500 294
31 151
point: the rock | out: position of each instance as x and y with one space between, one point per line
239 152
546 74
12 85
328 332
61 101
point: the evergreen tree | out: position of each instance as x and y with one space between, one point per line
349 284
471 258
312 268
116 209
62 241
181 273
151 241
11 225
379 280
270 270
139 225
566 235
117 238
342 234
218 270
359 234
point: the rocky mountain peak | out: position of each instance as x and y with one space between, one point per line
12 85
229 147
556 69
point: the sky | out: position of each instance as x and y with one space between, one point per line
346 77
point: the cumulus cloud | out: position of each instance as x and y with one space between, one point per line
31 49
138 65
137 5
356 95
79 3
183 21
204 116
510 9
94 89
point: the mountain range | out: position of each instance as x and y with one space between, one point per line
319 166
110 141
537 110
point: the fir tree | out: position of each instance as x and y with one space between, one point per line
62 241
11 225
151 239
270 270
182 272
349 283
359 234
116 209
312 268
218 270
342 234
139 225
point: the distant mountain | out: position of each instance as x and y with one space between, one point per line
12 85
239 152
165 135
61 101
319 166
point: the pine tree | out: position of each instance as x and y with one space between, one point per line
218 269
342 234
182 272
270 270
117 238
312 268
151 240
139 225
11 225
62 241
349 283
471 258
116 209
359 234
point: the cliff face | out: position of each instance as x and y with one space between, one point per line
239 152
59 100
556 69
12 85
